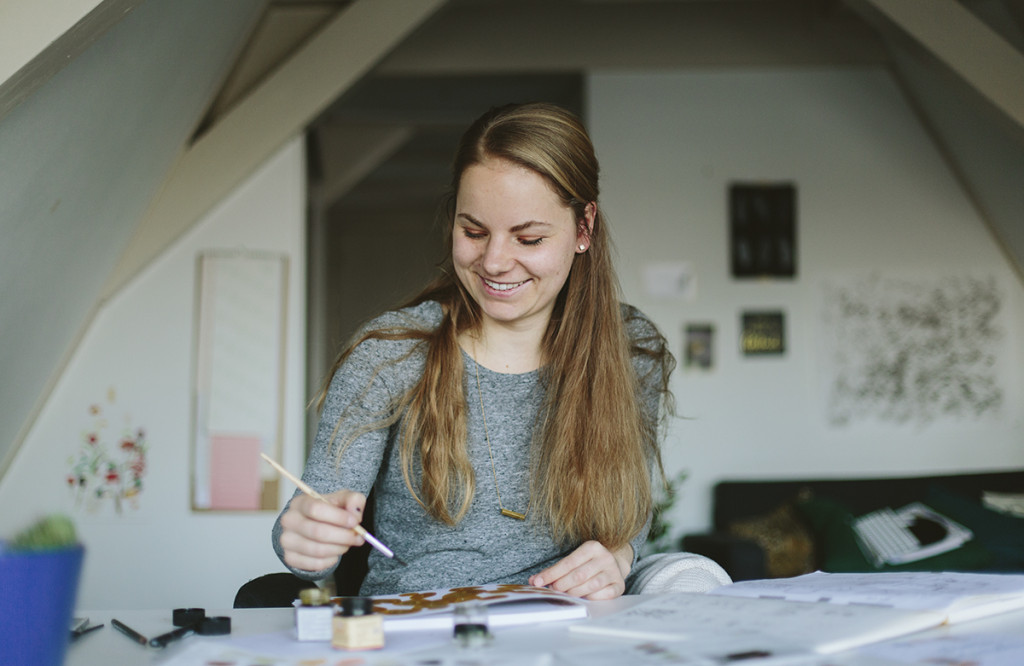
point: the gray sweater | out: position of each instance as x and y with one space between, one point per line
485 547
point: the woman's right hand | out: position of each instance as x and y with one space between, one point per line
314 534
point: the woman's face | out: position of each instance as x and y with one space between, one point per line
513 243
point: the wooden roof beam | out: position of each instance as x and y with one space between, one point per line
280 108
968 46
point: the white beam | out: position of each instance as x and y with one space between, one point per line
967 46
277 110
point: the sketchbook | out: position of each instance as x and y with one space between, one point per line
957 597
507 605
726 628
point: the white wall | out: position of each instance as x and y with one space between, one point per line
162 555
873 195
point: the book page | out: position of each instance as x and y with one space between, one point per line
980 650
651 653
721 626
909 590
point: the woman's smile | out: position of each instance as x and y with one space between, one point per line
503 286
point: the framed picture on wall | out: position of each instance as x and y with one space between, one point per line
762 333
762 230
238 399
699 346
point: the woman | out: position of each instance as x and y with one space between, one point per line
507 417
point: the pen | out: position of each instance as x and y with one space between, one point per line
84 629
163 639
129 632
358 529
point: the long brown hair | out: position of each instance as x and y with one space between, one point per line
595 442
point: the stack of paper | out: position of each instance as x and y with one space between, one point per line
726 626
817 613
957 597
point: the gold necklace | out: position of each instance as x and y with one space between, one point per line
505 512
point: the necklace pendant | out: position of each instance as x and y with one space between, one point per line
513 514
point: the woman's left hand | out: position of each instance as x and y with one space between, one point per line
591 571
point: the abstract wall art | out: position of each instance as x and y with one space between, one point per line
913 350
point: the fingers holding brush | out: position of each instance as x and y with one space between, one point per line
315 533
347 500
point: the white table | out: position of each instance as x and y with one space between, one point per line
108 646
517 645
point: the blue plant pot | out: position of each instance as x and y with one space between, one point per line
37 599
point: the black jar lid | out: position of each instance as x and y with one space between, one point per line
352 606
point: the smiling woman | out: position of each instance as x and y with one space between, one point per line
513 247
516 385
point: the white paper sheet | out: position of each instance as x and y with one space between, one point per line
978 650
960 596
720 626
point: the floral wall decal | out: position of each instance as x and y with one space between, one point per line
110 464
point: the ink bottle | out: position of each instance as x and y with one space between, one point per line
470 625
314 615
356 626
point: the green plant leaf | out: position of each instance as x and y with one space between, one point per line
52 532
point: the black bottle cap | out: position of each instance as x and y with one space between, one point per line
353 606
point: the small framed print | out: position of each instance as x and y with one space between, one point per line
763 333
762 230
699 346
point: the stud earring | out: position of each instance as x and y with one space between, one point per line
583 247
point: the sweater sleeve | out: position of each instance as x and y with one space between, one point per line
361 396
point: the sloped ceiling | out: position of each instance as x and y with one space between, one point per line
84 148
961 65
132 98
962 68
111 168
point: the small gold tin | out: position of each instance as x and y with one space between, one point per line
357 627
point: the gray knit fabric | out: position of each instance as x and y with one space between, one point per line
485 547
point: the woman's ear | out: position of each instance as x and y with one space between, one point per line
586 227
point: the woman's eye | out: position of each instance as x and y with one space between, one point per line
530 241
469 233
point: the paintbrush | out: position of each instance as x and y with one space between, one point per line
358 529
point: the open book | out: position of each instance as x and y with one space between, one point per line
507 605
773 616
728 628
958 597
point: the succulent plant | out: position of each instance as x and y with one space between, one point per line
48 533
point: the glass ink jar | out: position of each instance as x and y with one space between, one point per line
471 629
314 615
